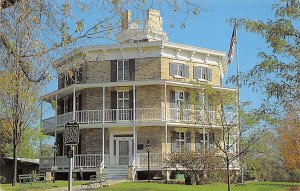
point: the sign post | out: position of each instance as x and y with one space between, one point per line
71 138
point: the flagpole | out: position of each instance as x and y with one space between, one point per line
238 103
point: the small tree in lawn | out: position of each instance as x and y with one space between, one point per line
195 165
219 114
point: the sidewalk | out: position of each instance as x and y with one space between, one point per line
78 187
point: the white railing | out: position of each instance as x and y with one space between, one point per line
87 160
49 124
150 114
155 159
89 116
47 162
177 115
64 118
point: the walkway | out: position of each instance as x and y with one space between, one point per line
78 187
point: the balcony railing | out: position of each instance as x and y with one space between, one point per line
175 115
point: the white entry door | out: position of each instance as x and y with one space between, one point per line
124 153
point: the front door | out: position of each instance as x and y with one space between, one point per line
122 150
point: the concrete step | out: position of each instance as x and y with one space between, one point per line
116 173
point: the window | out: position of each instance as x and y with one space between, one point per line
201 139
180 141
76 78
179 70
202 73
123 100
231 146
179 99
123 70
66 80
66 104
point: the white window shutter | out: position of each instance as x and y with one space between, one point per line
186 70
197 72
172 68
209 74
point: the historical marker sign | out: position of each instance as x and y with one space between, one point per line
71 134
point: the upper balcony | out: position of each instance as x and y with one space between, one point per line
142 117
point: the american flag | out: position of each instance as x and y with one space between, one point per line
231 48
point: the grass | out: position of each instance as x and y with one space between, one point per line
38 186
143 186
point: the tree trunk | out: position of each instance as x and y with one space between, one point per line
228 175
15 159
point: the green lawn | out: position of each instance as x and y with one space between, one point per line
38 186
142 186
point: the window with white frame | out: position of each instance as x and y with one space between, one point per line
202 73
179 70
123 70
179 99
123 100
180 141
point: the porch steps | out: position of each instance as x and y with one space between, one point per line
116 173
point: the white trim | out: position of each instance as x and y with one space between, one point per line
158 49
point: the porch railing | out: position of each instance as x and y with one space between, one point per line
62 162
87 160
176 115
155 159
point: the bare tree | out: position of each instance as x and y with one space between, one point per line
217 111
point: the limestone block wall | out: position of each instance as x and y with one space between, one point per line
98 72
154 134
91 141
147 69
149 96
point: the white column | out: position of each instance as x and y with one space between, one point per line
56 107
204 145
166 126
41 124
103 118
134 128
74 104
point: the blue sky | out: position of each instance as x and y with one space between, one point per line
212 30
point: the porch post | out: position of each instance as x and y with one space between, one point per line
103 118
55 133
166 126
204 145
134 128
74 115
41 125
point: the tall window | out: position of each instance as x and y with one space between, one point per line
179 70
66 105
180 141
123 70
179 99
202 73
201 139
123 100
